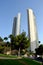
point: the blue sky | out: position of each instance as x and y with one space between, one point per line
10 8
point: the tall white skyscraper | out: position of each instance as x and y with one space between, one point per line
16 25
32 31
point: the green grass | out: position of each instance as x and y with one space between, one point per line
30 61
23 61
9 62
8 56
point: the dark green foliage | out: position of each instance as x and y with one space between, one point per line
19 42
1 49
1 39
5 38
39 50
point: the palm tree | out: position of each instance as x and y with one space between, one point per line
7 43
11 41
1 40
11 37
5 38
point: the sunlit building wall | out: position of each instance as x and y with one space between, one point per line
16 25
32 30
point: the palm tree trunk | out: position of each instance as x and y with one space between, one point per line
19 52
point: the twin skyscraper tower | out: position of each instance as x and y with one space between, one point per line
32 29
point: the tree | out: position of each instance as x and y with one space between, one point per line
39 41
1 40
11 41
19 42
39 50
7 44
1 49
5 38
11 38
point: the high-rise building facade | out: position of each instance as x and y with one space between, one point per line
16 25
32 31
